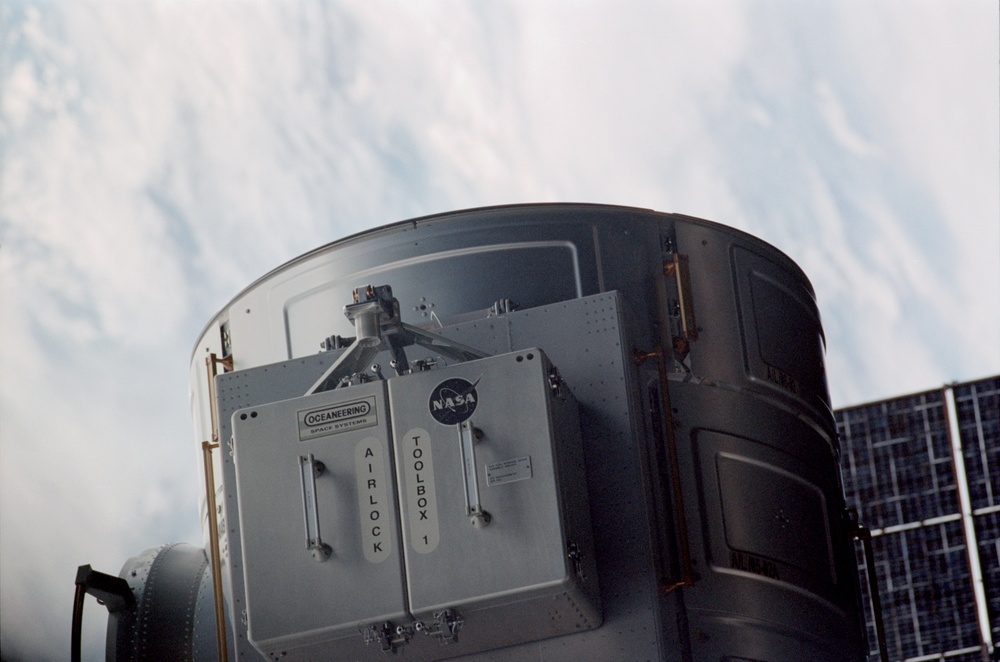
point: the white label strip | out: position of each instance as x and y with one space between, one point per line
508 471
373 501
421 500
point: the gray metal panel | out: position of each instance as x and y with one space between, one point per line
424 286
783 343
294 599
774 551
604 386
173 614
235 390
532 254
588 340
513 579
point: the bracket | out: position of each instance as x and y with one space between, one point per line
379 327
446 627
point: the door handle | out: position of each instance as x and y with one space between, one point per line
309 469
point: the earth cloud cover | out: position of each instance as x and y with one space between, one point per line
156 157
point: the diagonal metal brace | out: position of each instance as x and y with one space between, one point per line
378 325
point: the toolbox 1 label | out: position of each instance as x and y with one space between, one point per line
418 485
453 401
340 417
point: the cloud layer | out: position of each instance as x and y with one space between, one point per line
156 157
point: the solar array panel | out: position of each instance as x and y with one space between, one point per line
899 473
977 405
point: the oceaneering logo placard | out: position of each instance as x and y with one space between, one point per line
341 417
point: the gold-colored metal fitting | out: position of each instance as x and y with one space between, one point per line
213 534
677 269
687 578
212 363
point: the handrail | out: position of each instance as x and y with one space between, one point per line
680 520
212 362
213 534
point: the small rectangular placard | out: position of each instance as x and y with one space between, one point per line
340 417
508 471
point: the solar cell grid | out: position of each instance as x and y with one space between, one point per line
898 473
978 409
988 536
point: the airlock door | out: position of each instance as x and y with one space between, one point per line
495 518
318 521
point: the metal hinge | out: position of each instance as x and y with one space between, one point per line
501 307
445 628
677 268
389 637
556 383
576 558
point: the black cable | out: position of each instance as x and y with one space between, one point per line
112 592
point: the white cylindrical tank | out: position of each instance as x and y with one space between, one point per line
695 355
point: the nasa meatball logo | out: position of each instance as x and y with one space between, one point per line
453 401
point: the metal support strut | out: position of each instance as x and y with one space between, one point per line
378 325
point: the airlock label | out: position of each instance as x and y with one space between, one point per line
341 417
373 500
421 500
